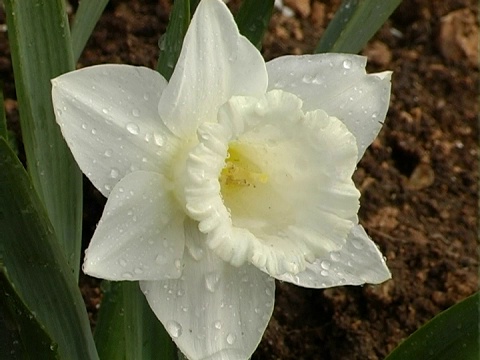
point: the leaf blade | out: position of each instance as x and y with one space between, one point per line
253 18
354 24
39 30
88 13
33 260
451 335
171 42
127 327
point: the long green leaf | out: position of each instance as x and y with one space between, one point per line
127 328
40 45
354 24
33 262
451 335
21 335
253 18
88 13
3 118
171 42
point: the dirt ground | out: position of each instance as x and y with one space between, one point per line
419 179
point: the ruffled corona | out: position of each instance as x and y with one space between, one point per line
272 185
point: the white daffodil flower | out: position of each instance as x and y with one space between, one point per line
232 174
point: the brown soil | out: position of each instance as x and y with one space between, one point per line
419 179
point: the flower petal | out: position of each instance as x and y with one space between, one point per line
358 262
140 235
108 115
214 311
215 63
339 85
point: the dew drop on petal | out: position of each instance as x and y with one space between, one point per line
217 325
174 328
178 264
335 256
105 111
231 339
122 262
114 173
161 259
211 281
138 270
136 112
357 244
133 128
108 153
127 275
347 64
84 126
325 265
159 140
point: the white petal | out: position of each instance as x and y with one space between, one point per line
108 115
356 263
339 85
214 311
285 195
215 63
140 235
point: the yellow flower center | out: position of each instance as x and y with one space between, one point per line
240 171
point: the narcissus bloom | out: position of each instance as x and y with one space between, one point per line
233 173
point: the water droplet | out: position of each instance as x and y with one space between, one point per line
127 275
347 64
218 325
105 111
107 187
138 270
133 128
161 259
268 292
178 264
122 262
84 126
145 96
231 339
325 264
375 115
324 273
335 256
148 137
196 252
108 153
114 173
211 281
159 140
357 244
136 112
174 328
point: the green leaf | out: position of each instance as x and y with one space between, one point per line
3 118
171 42
21 335
127 327
88 13
33 262
40 45
354 24
451 335
253 18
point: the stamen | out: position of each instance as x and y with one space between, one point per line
241 171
